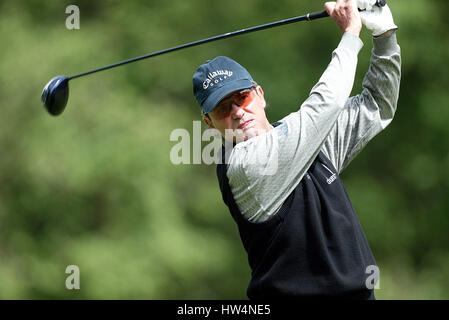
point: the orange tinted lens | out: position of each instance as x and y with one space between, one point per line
223 109
243 98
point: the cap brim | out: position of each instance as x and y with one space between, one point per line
223 91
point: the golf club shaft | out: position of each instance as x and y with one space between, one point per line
308 17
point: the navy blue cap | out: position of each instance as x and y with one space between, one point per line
216 79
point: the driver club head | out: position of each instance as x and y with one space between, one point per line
55 95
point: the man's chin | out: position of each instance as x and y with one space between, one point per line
239 135
248 134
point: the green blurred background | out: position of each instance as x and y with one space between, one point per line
95 187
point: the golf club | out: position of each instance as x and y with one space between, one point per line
56 93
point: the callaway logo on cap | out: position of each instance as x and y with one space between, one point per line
217 78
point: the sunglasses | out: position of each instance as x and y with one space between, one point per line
240 98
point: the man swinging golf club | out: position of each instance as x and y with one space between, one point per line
296 222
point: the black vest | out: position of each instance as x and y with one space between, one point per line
314 246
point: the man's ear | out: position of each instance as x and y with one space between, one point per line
208 122
259 91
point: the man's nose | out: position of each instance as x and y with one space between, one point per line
237 112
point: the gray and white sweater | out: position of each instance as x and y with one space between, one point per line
264 170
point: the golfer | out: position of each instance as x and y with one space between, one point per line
281 181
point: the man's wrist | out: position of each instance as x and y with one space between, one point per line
385 34
353 31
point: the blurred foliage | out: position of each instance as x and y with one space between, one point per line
95 187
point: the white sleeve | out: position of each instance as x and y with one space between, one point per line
368 113
264 170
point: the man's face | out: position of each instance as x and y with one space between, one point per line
242 112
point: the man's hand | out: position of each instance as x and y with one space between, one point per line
379 20
345 13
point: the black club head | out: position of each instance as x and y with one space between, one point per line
55 95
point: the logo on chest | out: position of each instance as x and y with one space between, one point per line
332 177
